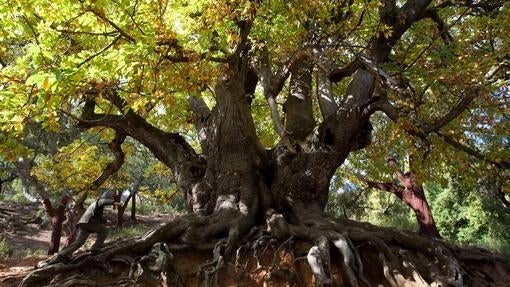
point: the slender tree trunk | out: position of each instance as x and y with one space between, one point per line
116 199
73 216
56 232
122 210
133 208
69 225
57 216
132 197
415 198
120 216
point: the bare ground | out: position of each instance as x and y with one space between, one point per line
26 232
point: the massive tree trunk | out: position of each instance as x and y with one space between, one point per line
241 196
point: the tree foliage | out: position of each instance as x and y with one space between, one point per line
160 53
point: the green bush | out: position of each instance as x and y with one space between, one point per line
28 252
149 207
132 231
377 207
17 197
6 249
145 207
468 215
464 213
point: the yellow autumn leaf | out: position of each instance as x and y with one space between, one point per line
46 84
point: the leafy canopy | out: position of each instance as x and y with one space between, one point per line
160 52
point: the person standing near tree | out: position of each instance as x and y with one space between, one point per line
90 222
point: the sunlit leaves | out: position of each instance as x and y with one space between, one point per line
265 128
74 167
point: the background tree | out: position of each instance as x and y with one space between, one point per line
410 191
134 66
464 212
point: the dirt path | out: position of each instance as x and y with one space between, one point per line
32 240
22 226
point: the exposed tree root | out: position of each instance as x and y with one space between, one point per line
338 252
156 262
211 268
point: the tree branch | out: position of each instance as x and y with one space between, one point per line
88 120
23 169
245 25
385 186
103 17
502 163
170 148
441 26
116 147
186 59
299 119
338 74
482 7
202 112
199 107
99 52
273 84
412 10
452 114
67 31
422 130
399 19
325 97
406 180
384 78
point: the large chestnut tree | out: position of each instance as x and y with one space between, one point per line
254 105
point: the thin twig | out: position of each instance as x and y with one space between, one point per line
100 51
